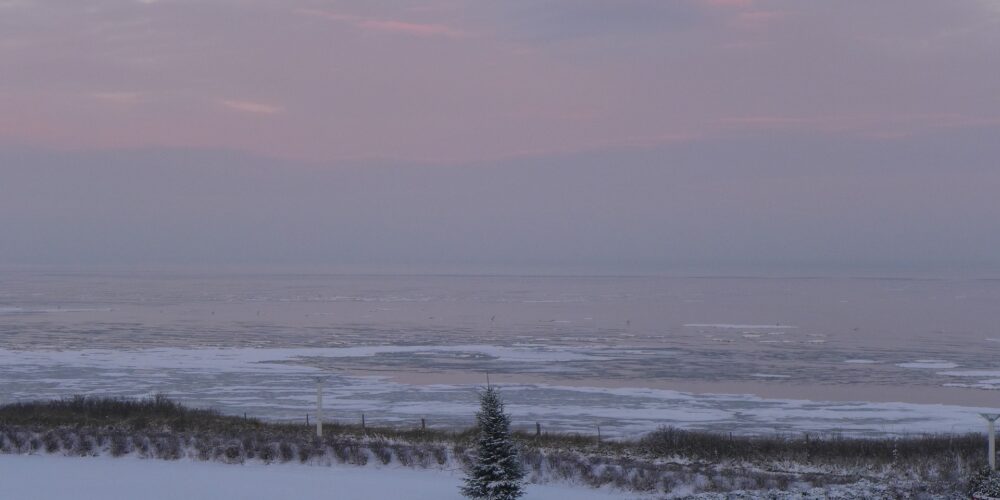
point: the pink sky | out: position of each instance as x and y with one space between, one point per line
593 133
454 81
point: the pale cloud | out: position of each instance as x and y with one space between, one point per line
728 3
867 125
414 29
256 108
332 16
758 19
548 21
125 98
387 25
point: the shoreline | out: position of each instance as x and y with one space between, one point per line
781 390
670 461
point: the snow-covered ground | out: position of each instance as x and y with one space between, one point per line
57 478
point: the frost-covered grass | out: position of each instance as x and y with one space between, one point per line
667 462
803 448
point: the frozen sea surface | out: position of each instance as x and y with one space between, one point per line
857 356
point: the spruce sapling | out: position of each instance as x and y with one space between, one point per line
496 473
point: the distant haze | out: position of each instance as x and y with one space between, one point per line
604 136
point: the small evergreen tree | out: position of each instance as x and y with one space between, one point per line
497 473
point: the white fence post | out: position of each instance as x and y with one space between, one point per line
991 419
319 407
